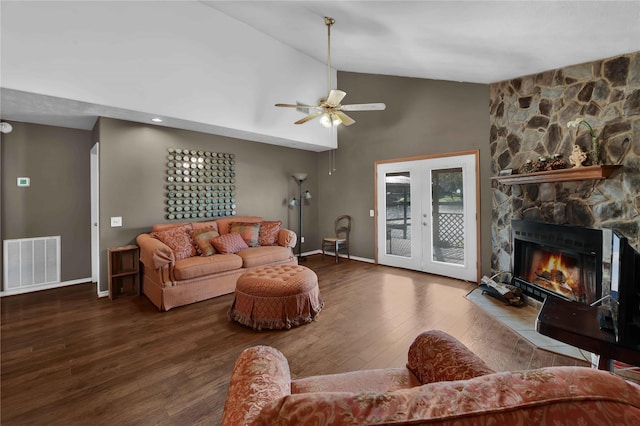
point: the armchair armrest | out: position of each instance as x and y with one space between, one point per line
260 375
435 356
287 238
153 252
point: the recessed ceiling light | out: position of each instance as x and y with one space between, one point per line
157 120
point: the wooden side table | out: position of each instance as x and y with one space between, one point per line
578 325
124 271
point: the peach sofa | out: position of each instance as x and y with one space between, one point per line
443 383
170 282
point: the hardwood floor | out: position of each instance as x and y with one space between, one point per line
69 358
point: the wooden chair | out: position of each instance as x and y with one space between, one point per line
341 240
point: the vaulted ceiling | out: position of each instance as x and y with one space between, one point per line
285 45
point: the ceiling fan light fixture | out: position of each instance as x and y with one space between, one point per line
325 120
329 120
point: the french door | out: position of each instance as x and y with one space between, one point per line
427 215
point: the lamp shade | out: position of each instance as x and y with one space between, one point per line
293 202
299 176
307 195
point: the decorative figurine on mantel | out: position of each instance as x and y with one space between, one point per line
595 146
577 156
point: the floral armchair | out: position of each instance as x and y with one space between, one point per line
444 383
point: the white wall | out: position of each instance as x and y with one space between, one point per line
179 59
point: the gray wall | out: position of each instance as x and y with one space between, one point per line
58 200
422 117
133 160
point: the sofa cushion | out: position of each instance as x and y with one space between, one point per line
207 224
258 256
164 226
179 241
248 231
435 356
229 243
202 238
269 231
381 380
224 224
199 266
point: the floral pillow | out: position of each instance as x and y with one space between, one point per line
249 232
202 238
179 241
229 243
268 235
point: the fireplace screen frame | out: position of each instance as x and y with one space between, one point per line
580 242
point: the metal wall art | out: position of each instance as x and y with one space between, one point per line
200 184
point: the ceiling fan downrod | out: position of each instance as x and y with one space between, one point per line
329 22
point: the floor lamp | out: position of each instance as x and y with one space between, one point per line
299 178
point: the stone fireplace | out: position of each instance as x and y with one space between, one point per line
529 117
557 260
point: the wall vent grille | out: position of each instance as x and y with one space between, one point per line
30 262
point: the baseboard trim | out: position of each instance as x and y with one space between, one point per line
344 256
49 286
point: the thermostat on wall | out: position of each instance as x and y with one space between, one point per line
24 181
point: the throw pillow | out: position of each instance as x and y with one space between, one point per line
269 233
229 243
248 231
202 238
178 240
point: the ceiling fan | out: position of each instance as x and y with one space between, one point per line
330 111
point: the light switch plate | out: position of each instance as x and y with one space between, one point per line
372 213
116 221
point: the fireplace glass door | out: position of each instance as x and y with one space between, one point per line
564 273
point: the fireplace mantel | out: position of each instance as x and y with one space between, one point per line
575 173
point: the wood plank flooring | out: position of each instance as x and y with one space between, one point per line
69 358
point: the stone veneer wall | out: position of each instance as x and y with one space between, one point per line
529 118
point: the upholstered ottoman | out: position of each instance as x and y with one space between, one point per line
276 297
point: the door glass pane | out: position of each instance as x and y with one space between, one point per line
448 216
398 220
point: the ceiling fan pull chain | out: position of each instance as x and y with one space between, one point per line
332 161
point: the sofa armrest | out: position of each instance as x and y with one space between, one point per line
435 356
153 252
287 238
260 375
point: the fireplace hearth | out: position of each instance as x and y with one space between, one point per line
557 260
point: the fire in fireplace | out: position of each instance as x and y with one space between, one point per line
557 260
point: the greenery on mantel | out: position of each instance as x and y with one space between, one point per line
574 173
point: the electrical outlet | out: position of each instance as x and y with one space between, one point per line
302 239
116 221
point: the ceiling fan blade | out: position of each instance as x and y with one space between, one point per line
346 120
335 96
309 117
364 107
299 106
